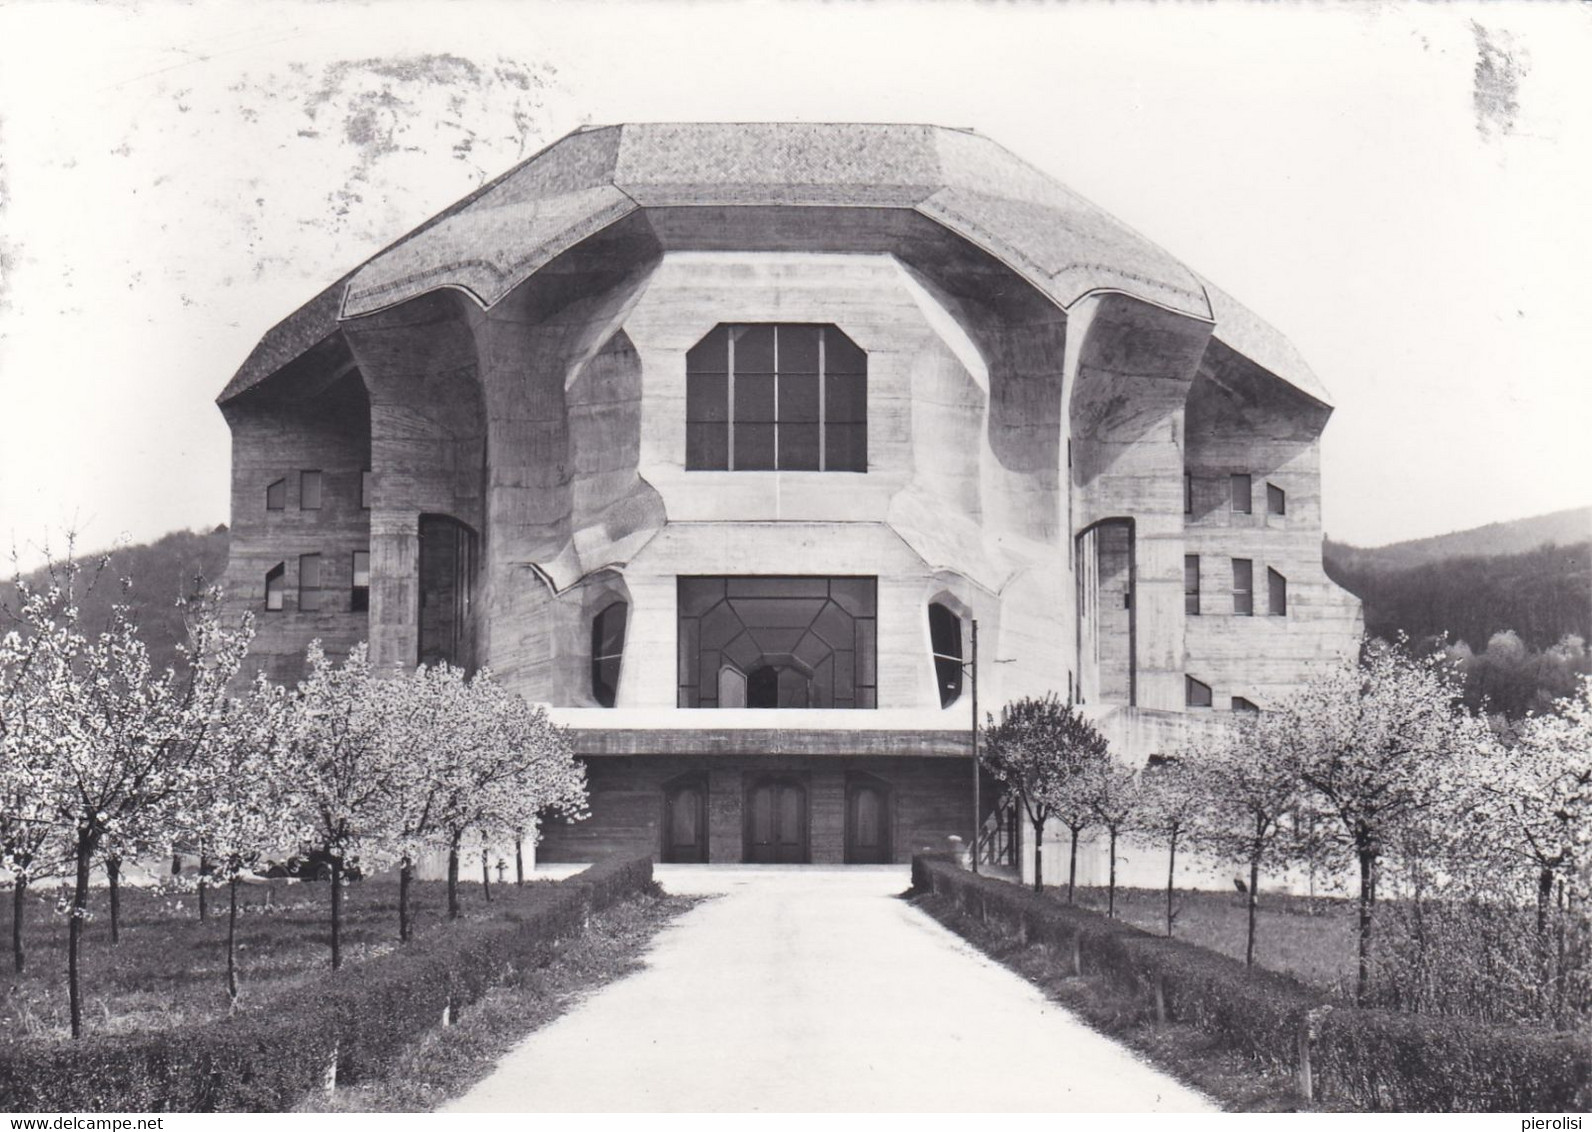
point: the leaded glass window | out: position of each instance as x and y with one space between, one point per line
777 641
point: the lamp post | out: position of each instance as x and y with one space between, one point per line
978 813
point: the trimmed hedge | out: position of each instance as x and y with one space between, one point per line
1371 1059
356 1019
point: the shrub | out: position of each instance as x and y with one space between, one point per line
359 1016
1371 1058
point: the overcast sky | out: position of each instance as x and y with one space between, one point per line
1401 189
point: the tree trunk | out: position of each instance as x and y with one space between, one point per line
1254 905
519 861
1362 984
486 870
74 935
1111 882
1544 901
1072 865
232 938
406 874
1039 856
204 877
113 877
453 878
1171 871
337 910
19 905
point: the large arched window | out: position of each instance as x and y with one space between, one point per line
607 647
945 638
785 397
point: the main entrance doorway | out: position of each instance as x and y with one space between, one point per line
776 822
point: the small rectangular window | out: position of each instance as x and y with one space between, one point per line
1278 587
1241 495
309 491
359 601
309 582
1191 584
1241 704
276 496
1243 587
1276 500
1196 694
364 489
275 578
1188 494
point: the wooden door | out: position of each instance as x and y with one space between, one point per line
776 823
685 827
867 823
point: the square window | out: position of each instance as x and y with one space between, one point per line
309 582
309 491
1241 495
276 496
1196 694
1276 500
1243 587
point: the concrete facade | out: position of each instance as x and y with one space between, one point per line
515 375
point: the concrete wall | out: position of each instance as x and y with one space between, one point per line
309 421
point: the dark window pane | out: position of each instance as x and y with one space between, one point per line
1195 693
1241 704
1188 494
608 631
945 632
359 599
798 349
361 567
1276 500
707 446
707 397
276 496
1278 585
1191 584
1243 591
798 398
841 354
754 399
776 586
754 447
365 489
1241 494
754 349
309 582
711 355
845 399
846 447
698 595
798 447
856 596
310 491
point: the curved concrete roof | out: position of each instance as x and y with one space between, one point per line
496 238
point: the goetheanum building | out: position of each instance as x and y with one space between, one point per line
717 439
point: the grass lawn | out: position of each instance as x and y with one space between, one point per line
1312 938
170 969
